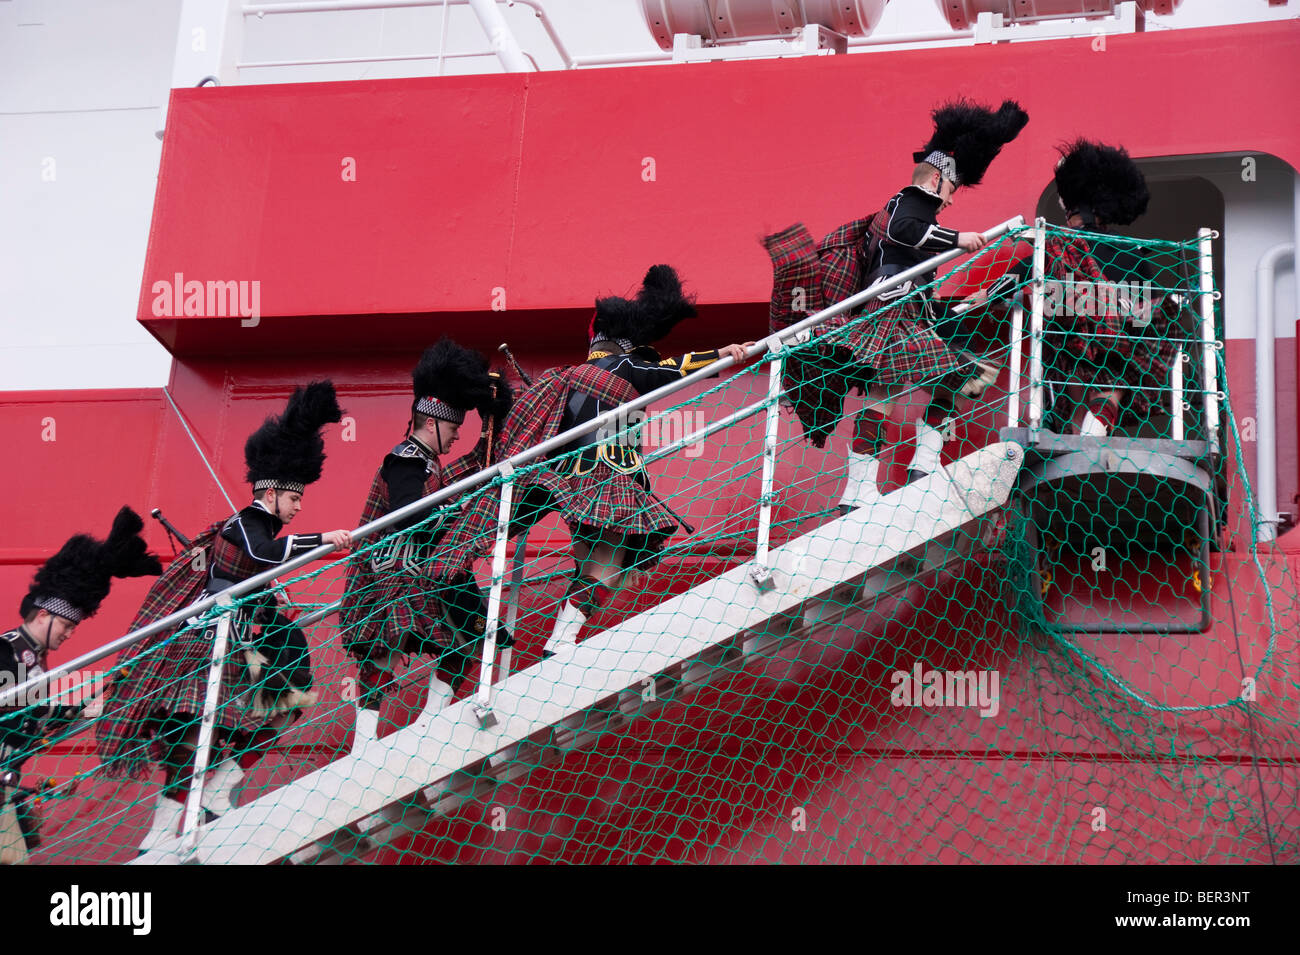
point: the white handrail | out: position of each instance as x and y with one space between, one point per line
1036 330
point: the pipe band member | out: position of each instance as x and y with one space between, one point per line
598 483
616 521
1109 347
156 701
67 589
896 346
391 607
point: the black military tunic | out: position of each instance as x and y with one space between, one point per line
906 233
24 728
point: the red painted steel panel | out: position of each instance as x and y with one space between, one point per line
534 183
74 457
252 186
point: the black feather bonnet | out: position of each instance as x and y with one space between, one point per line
967 138
450 380
287 452
1100 183
74 582
643 320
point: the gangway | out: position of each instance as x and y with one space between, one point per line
789 602
356 804
790 593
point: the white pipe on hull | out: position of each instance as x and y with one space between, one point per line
1266 392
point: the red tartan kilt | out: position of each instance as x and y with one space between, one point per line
899 346
795 266
590 504
395 613
607 500
473 532
171 681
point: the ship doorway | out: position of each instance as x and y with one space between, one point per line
1181 203
1249 198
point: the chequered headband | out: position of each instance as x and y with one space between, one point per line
61 608
946 165
265 483
622 343
436 408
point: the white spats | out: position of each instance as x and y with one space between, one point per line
860 487
568 624
1092 426
440 695
366 729
219 793
167 816
929 448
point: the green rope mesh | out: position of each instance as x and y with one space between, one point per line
1082 674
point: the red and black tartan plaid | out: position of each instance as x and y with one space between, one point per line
816 379
843 259
1153 356
796 277
612 500
383 611
156 682
535 416
900 345
1131 363
808 278
143 674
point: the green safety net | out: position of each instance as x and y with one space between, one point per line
1097 666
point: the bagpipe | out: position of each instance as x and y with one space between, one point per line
275 649
27 799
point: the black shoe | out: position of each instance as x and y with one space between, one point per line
547 654
845 509
913 475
